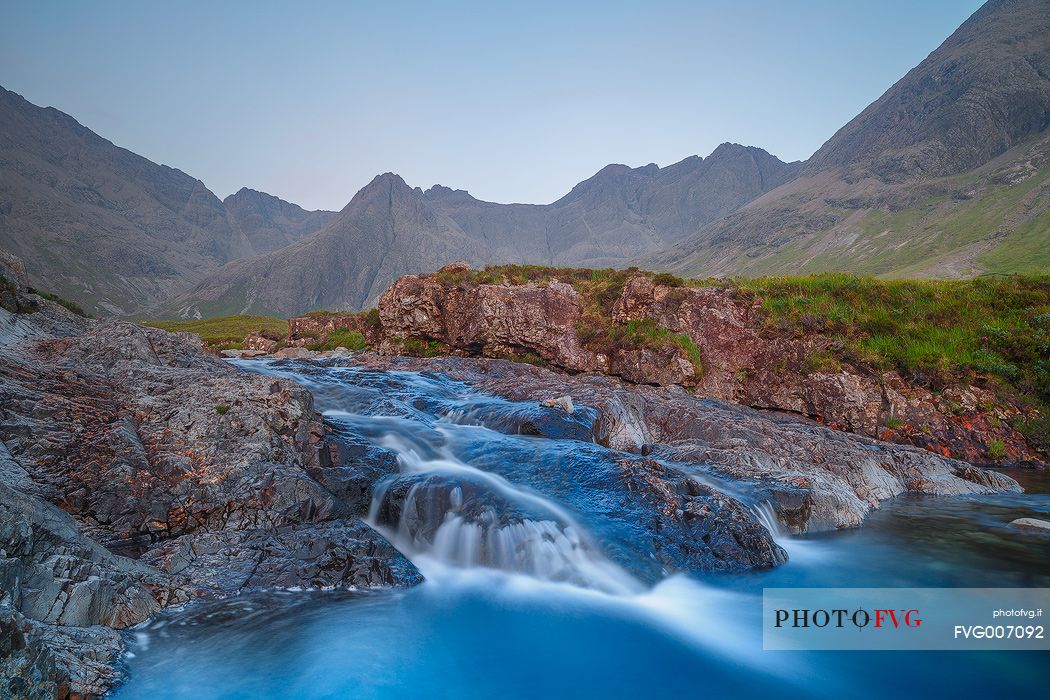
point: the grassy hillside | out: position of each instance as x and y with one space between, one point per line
994 219
226 332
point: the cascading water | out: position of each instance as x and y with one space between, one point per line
496 525
766 515
533 586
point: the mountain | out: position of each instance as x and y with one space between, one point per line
112 230
386 230
390 229
946 174
619 212
268 223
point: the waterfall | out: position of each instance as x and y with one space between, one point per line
457 515
767 515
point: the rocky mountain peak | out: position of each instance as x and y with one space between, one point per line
981 92
386 185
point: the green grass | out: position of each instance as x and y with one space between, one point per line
939 332
341 337
417 347
226 332
645 333
71 305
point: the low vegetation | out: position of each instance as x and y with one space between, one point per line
227 332
939 331
341 338
417 347
71 305
994 329
9 291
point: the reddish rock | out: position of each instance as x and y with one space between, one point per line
259 343
488 319
744 359
315 328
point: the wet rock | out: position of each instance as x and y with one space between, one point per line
1031 524
61 595
562 402
334 554
121 440
52 573
815 477
348 466
42 662
652 519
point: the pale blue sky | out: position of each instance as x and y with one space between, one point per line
514 102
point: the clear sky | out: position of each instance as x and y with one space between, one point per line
512 101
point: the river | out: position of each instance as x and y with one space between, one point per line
540 594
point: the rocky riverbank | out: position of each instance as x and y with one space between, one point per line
816 478
138 471
717 341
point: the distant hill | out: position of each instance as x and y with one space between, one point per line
111 229
945 175
269 223
390 229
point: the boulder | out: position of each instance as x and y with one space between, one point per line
258 343
1032 525
295 353
562 402
491 319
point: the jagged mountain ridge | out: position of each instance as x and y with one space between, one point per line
390 229
947 174
984 90
112 230
269 223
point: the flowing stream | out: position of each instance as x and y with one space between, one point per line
533 591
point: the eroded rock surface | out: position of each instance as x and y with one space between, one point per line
741 358
816 478
138 471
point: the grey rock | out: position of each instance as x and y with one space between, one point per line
1031 524
389 229
335 554
117 439
816 478
563 403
